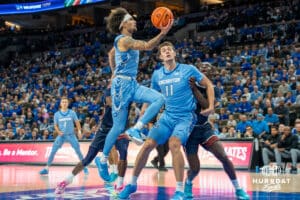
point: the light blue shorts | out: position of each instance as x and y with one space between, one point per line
170 125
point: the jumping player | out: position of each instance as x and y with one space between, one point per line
204 135
178 118
125 88
64 120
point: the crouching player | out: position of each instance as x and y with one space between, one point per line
203 134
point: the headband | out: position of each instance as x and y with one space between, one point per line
126 18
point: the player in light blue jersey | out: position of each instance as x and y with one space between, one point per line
177 121
124 60
64 120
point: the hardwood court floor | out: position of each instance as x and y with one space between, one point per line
24 182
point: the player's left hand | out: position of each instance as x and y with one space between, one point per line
207 111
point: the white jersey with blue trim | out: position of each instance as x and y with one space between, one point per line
127 62
65 121
174 85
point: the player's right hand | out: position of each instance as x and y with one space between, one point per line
165 30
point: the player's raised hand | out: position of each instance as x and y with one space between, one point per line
166 29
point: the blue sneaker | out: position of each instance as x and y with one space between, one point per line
188 190
44 171
102 169
178 196
135 135
241 194
85 171
113 177
127 191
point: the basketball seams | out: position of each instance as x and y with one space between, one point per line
160 17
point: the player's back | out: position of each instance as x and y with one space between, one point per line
126 61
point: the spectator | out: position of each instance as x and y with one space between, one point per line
282 112
286 142
249 132
295 151
242 124
269 145
255 94
271 118
283 87
223 114
260 127
244 106
231 121
294 130
232 106
213 122
224 132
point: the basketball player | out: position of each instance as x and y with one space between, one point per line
125 88
204 135
178 118
64 125
96 146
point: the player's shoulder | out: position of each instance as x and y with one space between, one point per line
72 111
183 66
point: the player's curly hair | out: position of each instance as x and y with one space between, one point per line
114 20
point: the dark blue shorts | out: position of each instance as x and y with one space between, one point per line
201 135
99 139
122 146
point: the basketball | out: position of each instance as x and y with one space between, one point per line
161 16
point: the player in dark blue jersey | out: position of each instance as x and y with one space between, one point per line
97 146
203 135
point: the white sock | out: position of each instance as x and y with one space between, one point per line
134 180
139 125
47 167
103 159
235 184
120 181
179 186
69 178
114 169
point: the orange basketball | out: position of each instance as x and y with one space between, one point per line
161 16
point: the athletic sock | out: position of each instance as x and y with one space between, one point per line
120 181
235 184
134 180
179 186
69 178
139 125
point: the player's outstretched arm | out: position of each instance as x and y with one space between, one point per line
111 59
130 43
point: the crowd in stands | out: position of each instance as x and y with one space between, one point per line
257 85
